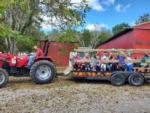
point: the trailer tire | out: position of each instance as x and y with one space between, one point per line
136 79
3 77
43 72
118 79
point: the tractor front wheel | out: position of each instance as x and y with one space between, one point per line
3 77
42 72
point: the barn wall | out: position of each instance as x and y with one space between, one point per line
59 52
124 41
142 38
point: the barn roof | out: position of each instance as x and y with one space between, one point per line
117 35
139 26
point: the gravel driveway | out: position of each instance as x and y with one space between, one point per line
67 96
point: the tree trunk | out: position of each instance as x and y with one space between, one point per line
10 44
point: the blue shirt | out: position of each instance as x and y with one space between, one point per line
121 59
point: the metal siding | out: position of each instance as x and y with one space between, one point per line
124 41
142 38
59 52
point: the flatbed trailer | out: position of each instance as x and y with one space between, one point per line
136 78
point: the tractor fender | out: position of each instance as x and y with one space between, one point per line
43 58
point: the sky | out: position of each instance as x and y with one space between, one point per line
108 13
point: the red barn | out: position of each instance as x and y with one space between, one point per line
137 37
59 52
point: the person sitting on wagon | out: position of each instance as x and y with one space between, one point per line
82 64
76 61
87 59
93 63
104 60
129 63
113 62
98 64
144 61
121 62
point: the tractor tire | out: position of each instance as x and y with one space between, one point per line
3 77
42 72
136 79
118 79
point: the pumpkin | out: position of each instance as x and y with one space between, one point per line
86 73
89 73
93 74
107 74
75 73
80 74
99 74
83 73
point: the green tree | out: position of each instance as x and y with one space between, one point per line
93 38
23 18
104 35
68 35
119 27
143 18
85 38
19 16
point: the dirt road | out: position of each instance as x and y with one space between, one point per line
67 96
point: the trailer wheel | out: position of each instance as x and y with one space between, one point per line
118 79
3 77
42 72
136 79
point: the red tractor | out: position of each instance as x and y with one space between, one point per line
41 71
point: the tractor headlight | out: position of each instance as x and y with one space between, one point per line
13 60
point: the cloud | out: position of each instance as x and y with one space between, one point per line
76 1
95 5
96 27
109 2
121 8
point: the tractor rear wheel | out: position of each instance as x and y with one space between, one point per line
42 72
136 79
3 77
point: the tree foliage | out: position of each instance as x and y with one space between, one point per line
65 12
68 35
119 27
85 38
104 35
21 19
143 18
93 38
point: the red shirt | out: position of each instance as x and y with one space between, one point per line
39 52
